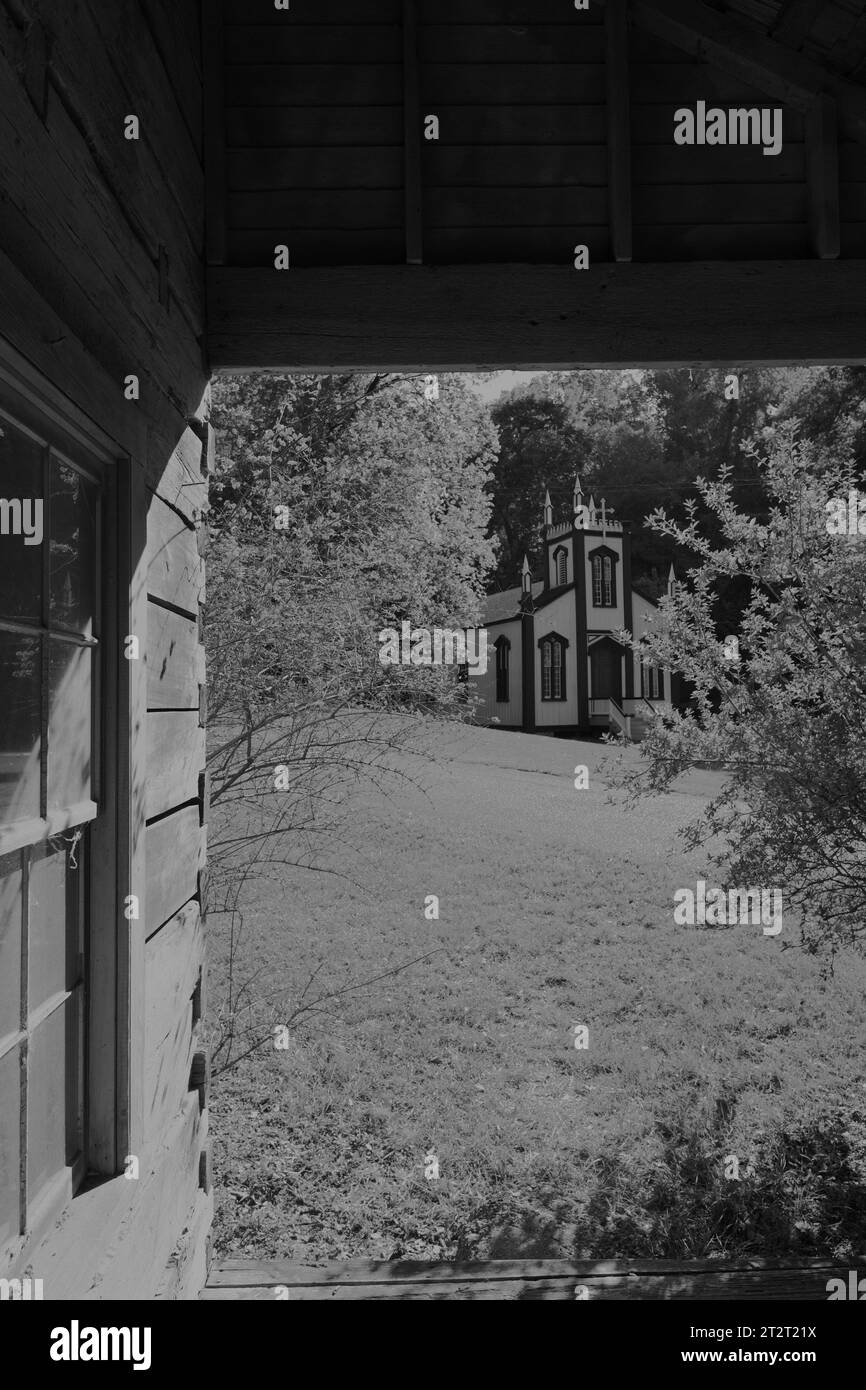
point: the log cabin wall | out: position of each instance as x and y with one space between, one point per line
101 277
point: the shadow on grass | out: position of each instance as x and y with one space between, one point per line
802 1195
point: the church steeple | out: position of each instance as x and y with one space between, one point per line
672 581
578 495
526 577
548 509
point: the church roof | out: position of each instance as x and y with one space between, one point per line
498 607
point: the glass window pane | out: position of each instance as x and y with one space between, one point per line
22 516
48 922
20 727
10 1141
74 503
69 725
10 944
46 1103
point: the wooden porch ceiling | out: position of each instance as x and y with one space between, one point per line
555 130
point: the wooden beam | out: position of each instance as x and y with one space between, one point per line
131 812
412 136
401 318
216 186
618 128
735 47
822 165
794 21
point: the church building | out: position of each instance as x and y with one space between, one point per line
556 659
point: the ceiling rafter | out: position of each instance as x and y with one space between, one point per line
764 63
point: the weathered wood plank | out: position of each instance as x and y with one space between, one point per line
292 84
186 1272
137 1248
681 242
311 247
132 863
523 1280
176 32
736 48
173 960
64 231
705 1288
174 857
720 204
232 1271
175 660
412 184
99 89
406 317
289 213
215 134
794 20
174 470
110 45
823 172
618 128
339 12
175 571
175 759
293 210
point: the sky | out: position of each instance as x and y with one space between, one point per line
502 381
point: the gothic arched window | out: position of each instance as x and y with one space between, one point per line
553 666
503 658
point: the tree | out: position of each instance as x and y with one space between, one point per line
785 719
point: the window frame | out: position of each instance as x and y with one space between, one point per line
502 647
546 644
603 562
113 1024
560 553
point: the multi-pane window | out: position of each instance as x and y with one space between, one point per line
603 582
503 656
552 668
49 605
652 681
561 558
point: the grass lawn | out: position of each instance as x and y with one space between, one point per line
555 909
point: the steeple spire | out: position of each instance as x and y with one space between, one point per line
526 577
672 581
548 509
578 494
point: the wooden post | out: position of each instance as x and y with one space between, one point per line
618 128
822 162
412 137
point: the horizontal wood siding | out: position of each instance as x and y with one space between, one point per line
175 758
175 852
173 962
314 134
102 277
520 168
175 660
709 202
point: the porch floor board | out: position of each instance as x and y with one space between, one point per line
800 1280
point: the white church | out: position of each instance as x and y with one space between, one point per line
555 657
